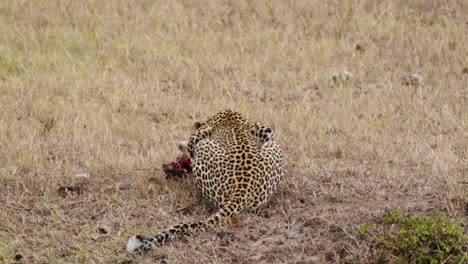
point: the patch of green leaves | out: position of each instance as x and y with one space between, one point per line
364 228
419 239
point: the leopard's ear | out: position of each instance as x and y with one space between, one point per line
197 125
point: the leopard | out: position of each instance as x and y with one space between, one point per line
237 166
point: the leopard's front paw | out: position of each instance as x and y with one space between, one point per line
182 145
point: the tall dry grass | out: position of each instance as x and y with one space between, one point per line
94 92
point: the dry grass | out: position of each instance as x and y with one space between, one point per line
102 88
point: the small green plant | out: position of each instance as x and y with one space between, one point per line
421 239
364 228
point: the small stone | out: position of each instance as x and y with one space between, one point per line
107 226
253 237
124 184
342 76
347 75
82 175
413 79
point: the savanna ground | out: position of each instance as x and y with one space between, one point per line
95 93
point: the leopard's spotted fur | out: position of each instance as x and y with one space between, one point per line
237 166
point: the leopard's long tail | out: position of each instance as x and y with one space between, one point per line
139 243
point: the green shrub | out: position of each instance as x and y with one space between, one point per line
419 239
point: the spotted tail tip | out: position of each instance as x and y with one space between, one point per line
134 243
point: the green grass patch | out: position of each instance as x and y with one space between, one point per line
417 239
